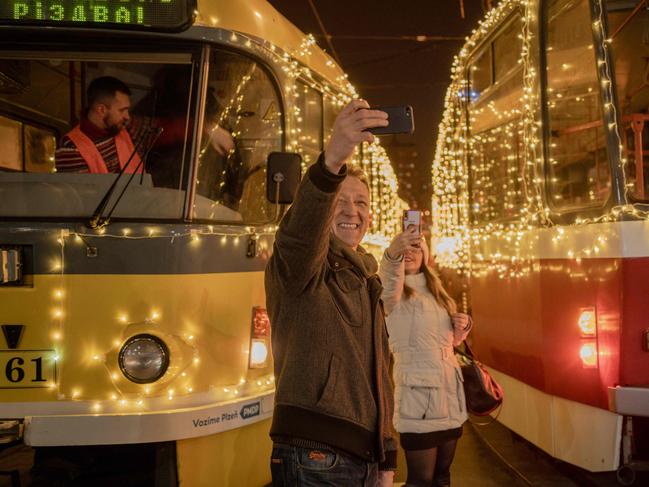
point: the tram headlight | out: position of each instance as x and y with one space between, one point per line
144 358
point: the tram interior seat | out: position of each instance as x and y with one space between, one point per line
73 195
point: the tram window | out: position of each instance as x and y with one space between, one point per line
25 147
495 172
309 122
243 124
42 96
496 155
480 76
578 171
40 145
507 49
330 111
629 28
11 155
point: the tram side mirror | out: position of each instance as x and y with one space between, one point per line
283 174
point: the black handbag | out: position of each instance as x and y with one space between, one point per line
483 394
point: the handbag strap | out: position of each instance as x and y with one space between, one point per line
492 419
467 352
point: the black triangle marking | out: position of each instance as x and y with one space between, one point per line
12 334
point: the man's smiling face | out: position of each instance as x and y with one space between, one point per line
352 212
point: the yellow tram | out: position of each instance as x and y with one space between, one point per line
135 340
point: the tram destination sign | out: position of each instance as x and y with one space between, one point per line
165 15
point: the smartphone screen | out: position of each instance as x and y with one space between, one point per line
412 218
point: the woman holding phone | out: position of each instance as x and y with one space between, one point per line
423 326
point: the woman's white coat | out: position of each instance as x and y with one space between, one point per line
429 394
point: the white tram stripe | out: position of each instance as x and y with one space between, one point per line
589 241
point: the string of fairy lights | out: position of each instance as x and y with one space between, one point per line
385 205
127 396
372 159
504 246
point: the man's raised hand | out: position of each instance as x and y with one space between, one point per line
349 131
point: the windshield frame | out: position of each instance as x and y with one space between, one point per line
266 65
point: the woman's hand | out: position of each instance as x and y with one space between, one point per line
408 239
460 321
386 478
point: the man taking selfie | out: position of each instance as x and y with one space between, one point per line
332 423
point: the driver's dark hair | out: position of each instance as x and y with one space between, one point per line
102 89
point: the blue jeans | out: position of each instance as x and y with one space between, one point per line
294 466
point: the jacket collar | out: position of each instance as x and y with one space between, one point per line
344 256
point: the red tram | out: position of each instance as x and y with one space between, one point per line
540 212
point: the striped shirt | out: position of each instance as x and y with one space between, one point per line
68 158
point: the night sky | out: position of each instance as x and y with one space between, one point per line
376 44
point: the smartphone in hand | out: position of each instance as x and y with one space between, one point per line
401 120
412 218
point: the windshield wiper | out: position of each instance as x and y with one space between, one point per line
96 220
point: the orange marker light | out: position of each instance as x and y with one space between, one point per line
259 339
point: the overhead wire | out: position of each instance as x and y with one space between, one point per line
326 35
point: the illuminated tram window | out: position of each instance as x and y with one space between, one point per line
578 166
309 104
627 27
496 154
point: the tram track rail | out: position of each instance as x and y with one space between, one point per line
483 439
569 472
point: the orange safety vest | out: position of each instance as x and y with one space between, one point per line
91 155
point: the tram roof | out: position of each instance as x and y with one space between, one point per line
258 18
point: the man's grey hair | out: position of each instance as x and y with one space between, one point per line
358 173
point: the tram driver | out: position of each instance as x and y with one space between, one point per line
103 141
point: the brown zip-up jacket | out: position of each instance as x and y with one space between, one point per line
330 344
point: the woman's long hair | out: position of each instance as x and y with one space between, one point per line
434 285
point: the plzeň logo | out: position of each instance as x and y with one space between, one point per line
250 410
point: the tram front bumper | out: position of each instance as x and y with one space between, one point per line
629 401
148 426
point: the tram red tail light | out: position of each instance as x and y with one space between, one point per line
589 350
588 322
588 354
259 339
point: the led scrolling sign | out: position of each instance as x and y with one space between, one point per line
145 14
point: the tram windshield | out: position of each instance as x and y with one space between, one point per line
629 31
43 99
242 125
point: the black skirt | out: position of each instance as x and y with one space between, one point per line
424 441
